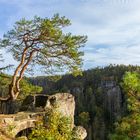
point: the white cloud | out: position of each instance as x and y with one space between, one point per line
114 55
111 23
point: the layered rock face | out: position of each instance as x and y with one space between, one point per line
113 102
38 105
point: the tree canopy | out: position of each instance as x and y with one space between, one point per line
42 41
128 128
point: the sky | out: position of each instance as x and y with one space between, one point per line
112 26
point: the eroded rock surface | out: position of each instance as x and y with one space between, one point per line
64 103
36 106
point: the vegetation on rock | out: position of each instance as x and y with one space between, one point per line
54 127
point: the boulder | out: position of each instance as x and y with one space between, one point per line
61 102
64 103
79 132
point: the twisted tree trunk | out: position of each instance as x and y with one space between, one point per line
8 103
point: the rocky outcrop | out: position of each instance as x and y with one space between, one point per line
63 102
35 106
11 125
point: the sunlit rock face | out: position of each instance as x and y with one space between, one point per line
64 103
36 106
61 102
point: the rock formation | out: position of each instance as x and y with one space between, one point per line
37 105
113 102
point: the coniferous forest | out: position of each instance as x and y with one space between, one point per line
69 70
107 100
101 99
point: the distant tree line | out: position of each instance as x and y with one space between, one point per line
90 108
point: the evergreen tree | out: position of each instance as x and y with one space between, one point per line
128 128
42 42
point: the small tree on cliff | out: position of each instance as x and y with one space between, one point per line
41 41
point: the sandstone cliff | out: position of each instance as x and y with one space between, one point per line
36 106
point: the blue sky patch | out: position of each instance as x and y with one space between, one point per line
112 26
